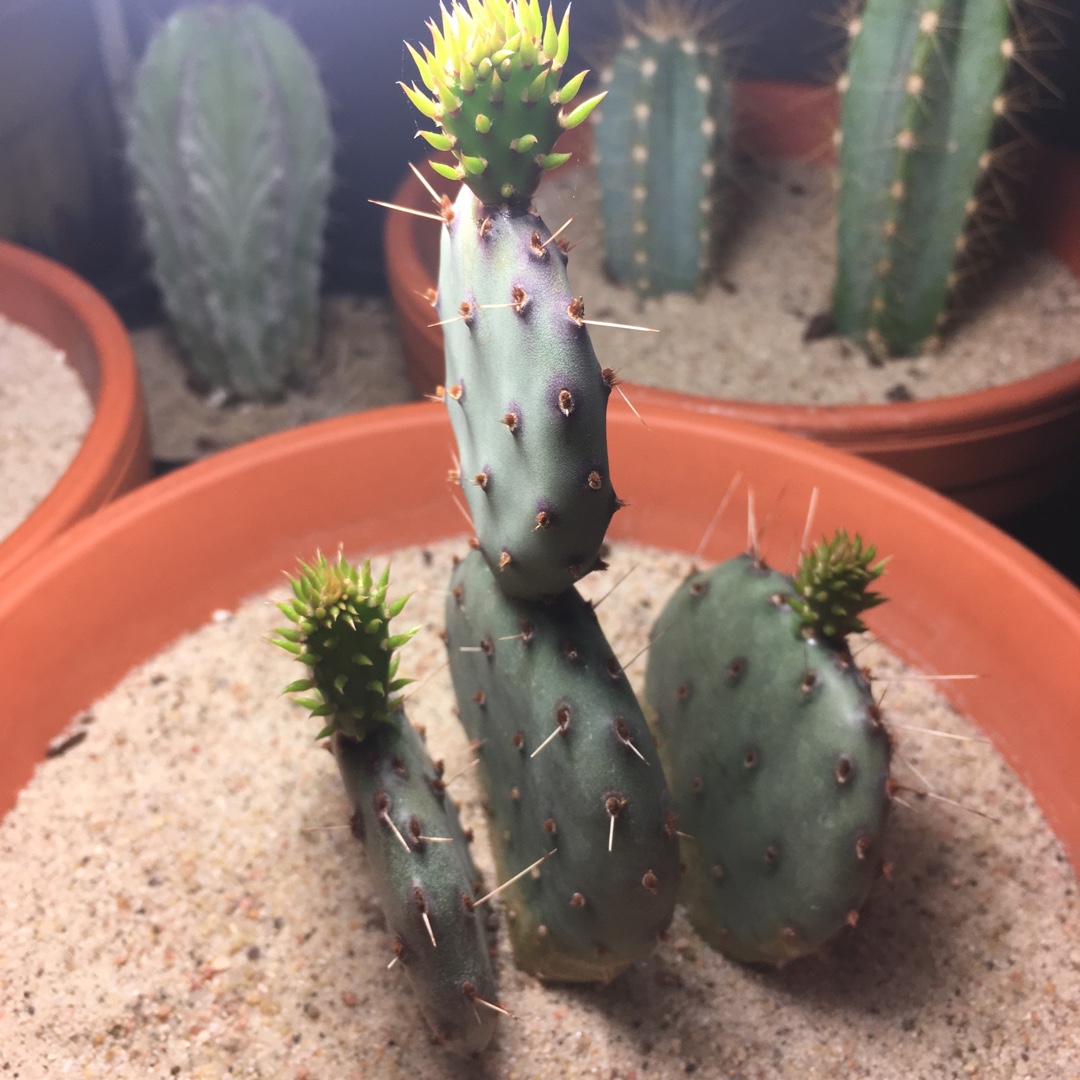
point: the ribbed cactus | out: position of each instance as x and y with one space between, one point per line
774 748
230 145
417 852
571 777
663 147
921 96
528 403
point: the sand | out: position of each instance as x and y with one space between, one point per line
742 336
45 412
358 366
179 897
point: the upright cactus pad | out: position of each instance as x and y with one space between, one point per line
921 96
417 852
774 748
526 395
663 155
571 777
231 146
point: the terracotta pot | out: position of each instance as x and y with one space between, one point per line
118 586
115 454
994 451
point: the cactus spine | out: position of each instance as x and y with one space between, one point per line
417 852
528 403
921 96
230 145
663 154
774 748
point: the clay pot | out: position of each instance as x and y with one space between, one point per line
118 586
995 451
115 455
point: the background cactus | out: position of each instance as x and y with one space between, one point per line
231 146
774 748
663 150
921 96
418 855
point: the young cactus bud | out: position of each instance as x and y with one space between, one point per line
493 75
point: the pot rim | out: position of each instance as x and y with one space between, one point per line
115 453
118 586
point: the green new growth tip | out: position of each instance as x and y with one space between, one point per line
493 75
341 633
418 855
774 748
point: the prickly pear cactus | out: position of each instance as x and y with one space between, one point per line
921 96
574 786
230 145
526 395
417 852
774 748
663 154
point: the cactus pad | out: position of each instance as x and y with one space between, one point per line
777 759
570 772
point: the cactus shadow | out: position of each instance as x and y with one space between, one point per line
912 953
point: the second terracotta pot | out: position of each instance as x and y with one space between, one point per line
994 451
114 456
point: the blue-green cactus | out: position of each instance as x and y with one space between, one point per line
417 852
663 150
526 395
921 95
571 777
230 146
774 748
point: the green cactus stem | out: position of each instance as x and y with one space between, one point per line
571 777
230 146
921 96
526 395
417 852
663 149
774 748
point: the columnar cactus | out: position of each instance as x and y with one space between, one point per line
663 146
417 852
921 96
230 145
774 748
528 403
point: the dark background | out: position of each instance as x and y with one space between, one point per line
358 46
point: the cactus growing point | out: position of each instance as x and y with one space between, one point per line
417 851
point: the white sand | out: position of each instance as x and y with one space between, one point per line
178 898
45 413
742 337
